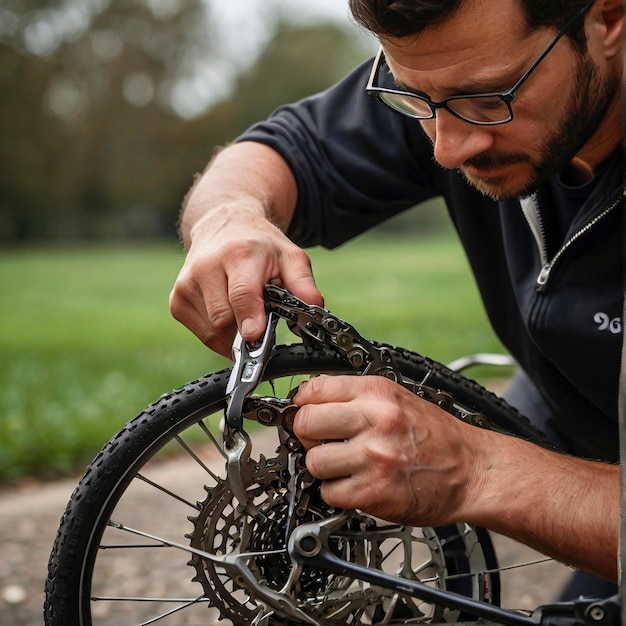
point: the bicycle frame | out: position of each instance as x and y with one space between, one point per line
308 546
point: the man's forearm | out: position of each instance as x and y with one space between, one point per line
251 176
562 506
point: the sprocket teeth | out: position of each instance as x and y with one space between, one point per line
225 527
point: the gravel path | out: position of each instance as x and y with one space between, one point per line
29 518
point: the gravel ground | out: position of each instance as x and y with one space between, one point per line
29 518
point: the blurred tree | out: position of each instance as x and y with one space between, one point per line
84 94
90 142
298 61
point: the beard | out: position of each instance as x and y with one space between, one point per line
588 104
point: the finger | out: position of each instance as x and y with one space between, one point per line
246 297
324 388
248 268
248 273
357 492
332 460
328 422
189 307
196 321
344 493
297 277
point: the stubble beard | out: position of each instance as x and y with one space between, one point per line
588 104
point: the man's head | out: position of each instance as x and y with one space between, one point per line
565 111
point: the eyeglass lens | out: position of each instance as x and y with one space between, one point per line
480 109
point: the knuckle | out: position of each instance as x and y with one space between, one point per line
395 418
181 301
206 336
383 460
233 251
243 293
178 305
220 317
309 390
315 385
380 385
298 256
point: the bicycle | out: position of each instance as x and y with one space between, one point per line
255 543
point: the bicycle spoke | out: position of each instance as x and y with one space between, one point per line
496 570
205 429
390 552
164 490
192 550
167 614
506 568
187 601
131 546
195 457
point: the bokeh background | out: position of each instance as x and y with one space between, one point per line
109 106
108 109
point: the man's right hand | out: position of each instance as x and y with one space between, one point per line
234 249
220 286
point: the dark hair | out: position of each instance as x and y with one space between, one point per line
403 18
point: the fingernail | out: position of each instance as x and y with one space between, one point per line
248 328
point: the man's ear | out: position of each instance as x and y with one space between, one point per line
607 21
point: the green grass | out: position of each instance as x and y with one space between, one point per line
87 340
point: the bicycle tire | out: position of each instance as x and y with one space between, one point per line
108 480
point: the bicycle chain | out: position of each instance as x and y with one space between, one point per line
320 326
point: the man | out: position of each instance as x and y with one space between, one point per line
509 109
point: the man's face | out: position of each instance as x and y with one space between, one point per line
486 48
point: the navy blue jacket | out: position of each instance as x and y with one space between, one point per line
357 163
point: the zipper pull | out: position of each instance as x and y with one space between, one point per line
544 274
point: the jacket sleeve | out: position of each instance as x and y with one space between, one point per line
356 162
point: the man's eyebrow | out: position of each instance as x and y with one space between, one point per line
402 87
472 86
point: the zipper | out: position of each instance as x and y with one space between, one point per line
533 217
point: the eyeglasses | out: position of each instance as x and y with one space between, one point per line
485 109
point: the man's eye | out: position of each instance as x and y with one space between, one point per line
488 104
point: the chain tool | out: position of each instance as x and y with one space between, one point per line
315 325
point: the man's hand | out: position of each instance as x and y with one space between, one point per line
233 225
380 448
220 287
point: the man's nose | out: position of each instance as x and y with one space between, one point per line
455 140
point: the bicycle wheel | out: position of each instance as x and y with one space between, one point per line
101 573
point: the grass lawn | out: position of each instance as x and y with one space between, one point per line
87 340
